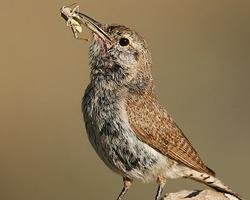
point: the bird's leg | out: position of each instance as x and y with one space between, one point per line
126 185
161 183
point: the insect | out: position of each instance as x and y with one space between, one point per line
73 20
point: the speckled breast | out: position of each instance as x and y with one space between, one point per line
112 137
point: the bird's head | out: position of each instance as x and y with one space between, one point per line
119 56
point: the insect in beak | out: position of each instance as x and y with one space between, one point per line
75 19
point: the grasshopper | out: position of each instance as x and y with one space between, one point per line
73 20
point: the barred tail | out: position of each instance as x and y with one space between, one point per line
213 182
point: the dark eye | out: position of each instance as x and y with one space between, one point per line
123 41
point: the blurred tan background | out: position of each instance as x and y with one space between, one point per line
201 66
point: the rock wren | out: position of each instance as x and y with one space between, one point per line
128 128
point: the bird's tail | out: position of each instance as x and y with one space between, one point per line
214 183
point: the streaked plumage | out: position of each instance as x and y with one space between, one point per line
152 125
128 128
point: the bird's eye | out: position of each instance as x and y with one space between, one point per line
123 41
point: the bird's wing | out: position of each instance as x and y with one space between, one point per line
152 125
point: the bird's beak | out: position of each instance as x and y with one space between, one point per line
94 26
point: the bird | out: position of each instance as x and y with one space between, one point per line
129 129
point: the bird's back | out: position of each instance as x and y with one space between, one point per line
154 126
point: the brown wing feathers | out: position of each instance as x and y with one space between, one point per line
153 126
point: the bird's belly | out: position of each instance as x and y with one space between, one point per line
124 153
114 141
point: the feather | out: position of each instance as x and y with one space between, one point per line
153 126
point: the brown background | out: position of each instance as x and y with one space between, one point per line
201 66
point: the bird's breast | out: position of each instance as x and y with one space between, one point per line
113 139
